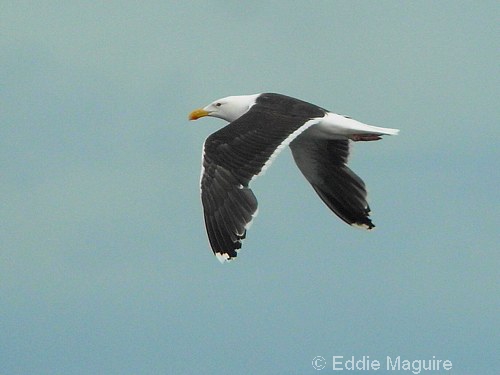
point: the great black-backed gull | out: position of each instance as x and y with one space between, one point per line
261 125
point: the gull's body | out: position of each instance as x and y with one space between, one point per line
261 125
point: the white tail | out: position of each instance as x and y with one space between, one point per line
341 125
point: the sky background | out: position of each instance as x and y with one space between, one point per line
105 267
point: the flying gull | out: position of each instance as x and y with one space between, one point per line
260 126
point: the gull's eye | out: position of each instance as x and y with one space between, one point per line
218 104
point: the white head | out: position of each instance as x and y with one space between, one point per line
228 109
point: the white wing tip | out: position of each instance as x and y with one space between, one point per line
223 258
362 226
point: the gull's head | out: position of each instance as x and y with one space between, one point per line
229 108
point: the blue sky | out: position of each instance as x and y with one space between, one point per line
104 263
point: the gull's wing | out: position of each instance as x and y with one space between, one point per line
232 157
323 163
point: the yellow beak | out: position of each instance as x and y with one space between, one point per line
197 113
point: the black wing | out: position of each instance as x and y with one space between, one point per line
323 163
232 157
